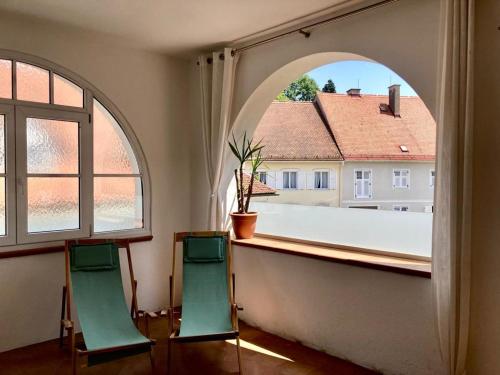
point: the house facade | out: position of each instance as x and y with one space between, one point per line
388 185
354 150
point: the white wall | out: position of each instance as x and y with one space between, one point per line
151 91
374 318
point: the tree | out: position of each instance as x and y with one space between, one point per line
282 97
303 89
329 87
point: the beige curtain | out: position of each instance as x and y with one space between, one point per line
217 72
451 266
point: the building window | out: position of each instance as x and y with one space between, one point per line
432 178
77 174
262 177
363 183
401 178
400 208
321 180
290 180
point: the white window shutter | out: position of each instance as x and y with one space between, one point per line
301 180
332 184
271 179
358 186
279 180
310 180
370 190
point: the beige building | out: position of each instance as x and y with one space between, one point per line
302 160
302 182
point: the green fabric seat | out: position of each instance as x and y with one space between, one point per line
100 301
206 308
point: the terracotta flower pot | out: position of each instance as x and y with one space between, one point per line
244 224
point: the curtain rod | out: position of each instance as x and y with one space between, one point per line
307 34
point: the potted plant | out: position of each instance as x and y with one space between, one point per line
243 220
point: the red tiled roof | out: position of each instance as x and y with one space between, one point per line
258 187
295 131
363 132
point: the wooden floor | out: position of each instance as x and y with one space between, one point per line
262 353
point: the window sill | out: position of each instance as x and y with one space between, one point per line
55 249
352 256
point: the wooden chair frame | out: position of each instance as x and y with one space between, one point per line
234 334
66 320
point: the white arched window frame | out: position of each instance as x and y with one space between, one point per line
77 174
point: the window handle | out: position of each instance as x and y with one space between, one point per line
20 185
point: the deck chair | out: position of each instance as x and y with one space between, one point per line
94 283
209 312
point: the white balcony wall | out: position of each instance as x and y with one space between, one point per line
398 232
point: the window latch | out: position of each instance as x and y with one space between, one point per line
20 185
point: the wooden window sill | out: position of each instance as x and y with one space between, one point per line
55 249
353 256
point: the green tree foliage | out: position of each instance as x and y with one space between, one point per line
282 97
303 89
329 87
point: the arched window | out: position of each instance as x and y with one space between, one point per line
69 167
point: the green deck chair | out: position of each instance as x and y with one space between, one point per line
209 312
94 283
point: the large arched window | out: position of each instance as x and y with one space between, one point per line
69 167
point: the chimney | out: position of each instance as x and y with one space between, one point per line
394 100
354 92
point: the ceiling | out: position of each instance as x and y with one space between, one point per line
172 26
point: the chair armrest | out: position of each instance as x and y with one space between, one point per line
67 323
236 307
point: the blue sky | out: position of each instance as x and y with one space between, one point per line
373 78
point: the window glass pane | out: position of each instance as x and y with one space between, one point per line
263 177
112 151
52 146
53 204
117 203
67 93
325 180
6 79
2 207
32 83
286 180
317 180
2 143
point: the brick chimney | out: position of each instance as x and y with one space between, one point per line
354 92
394 100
